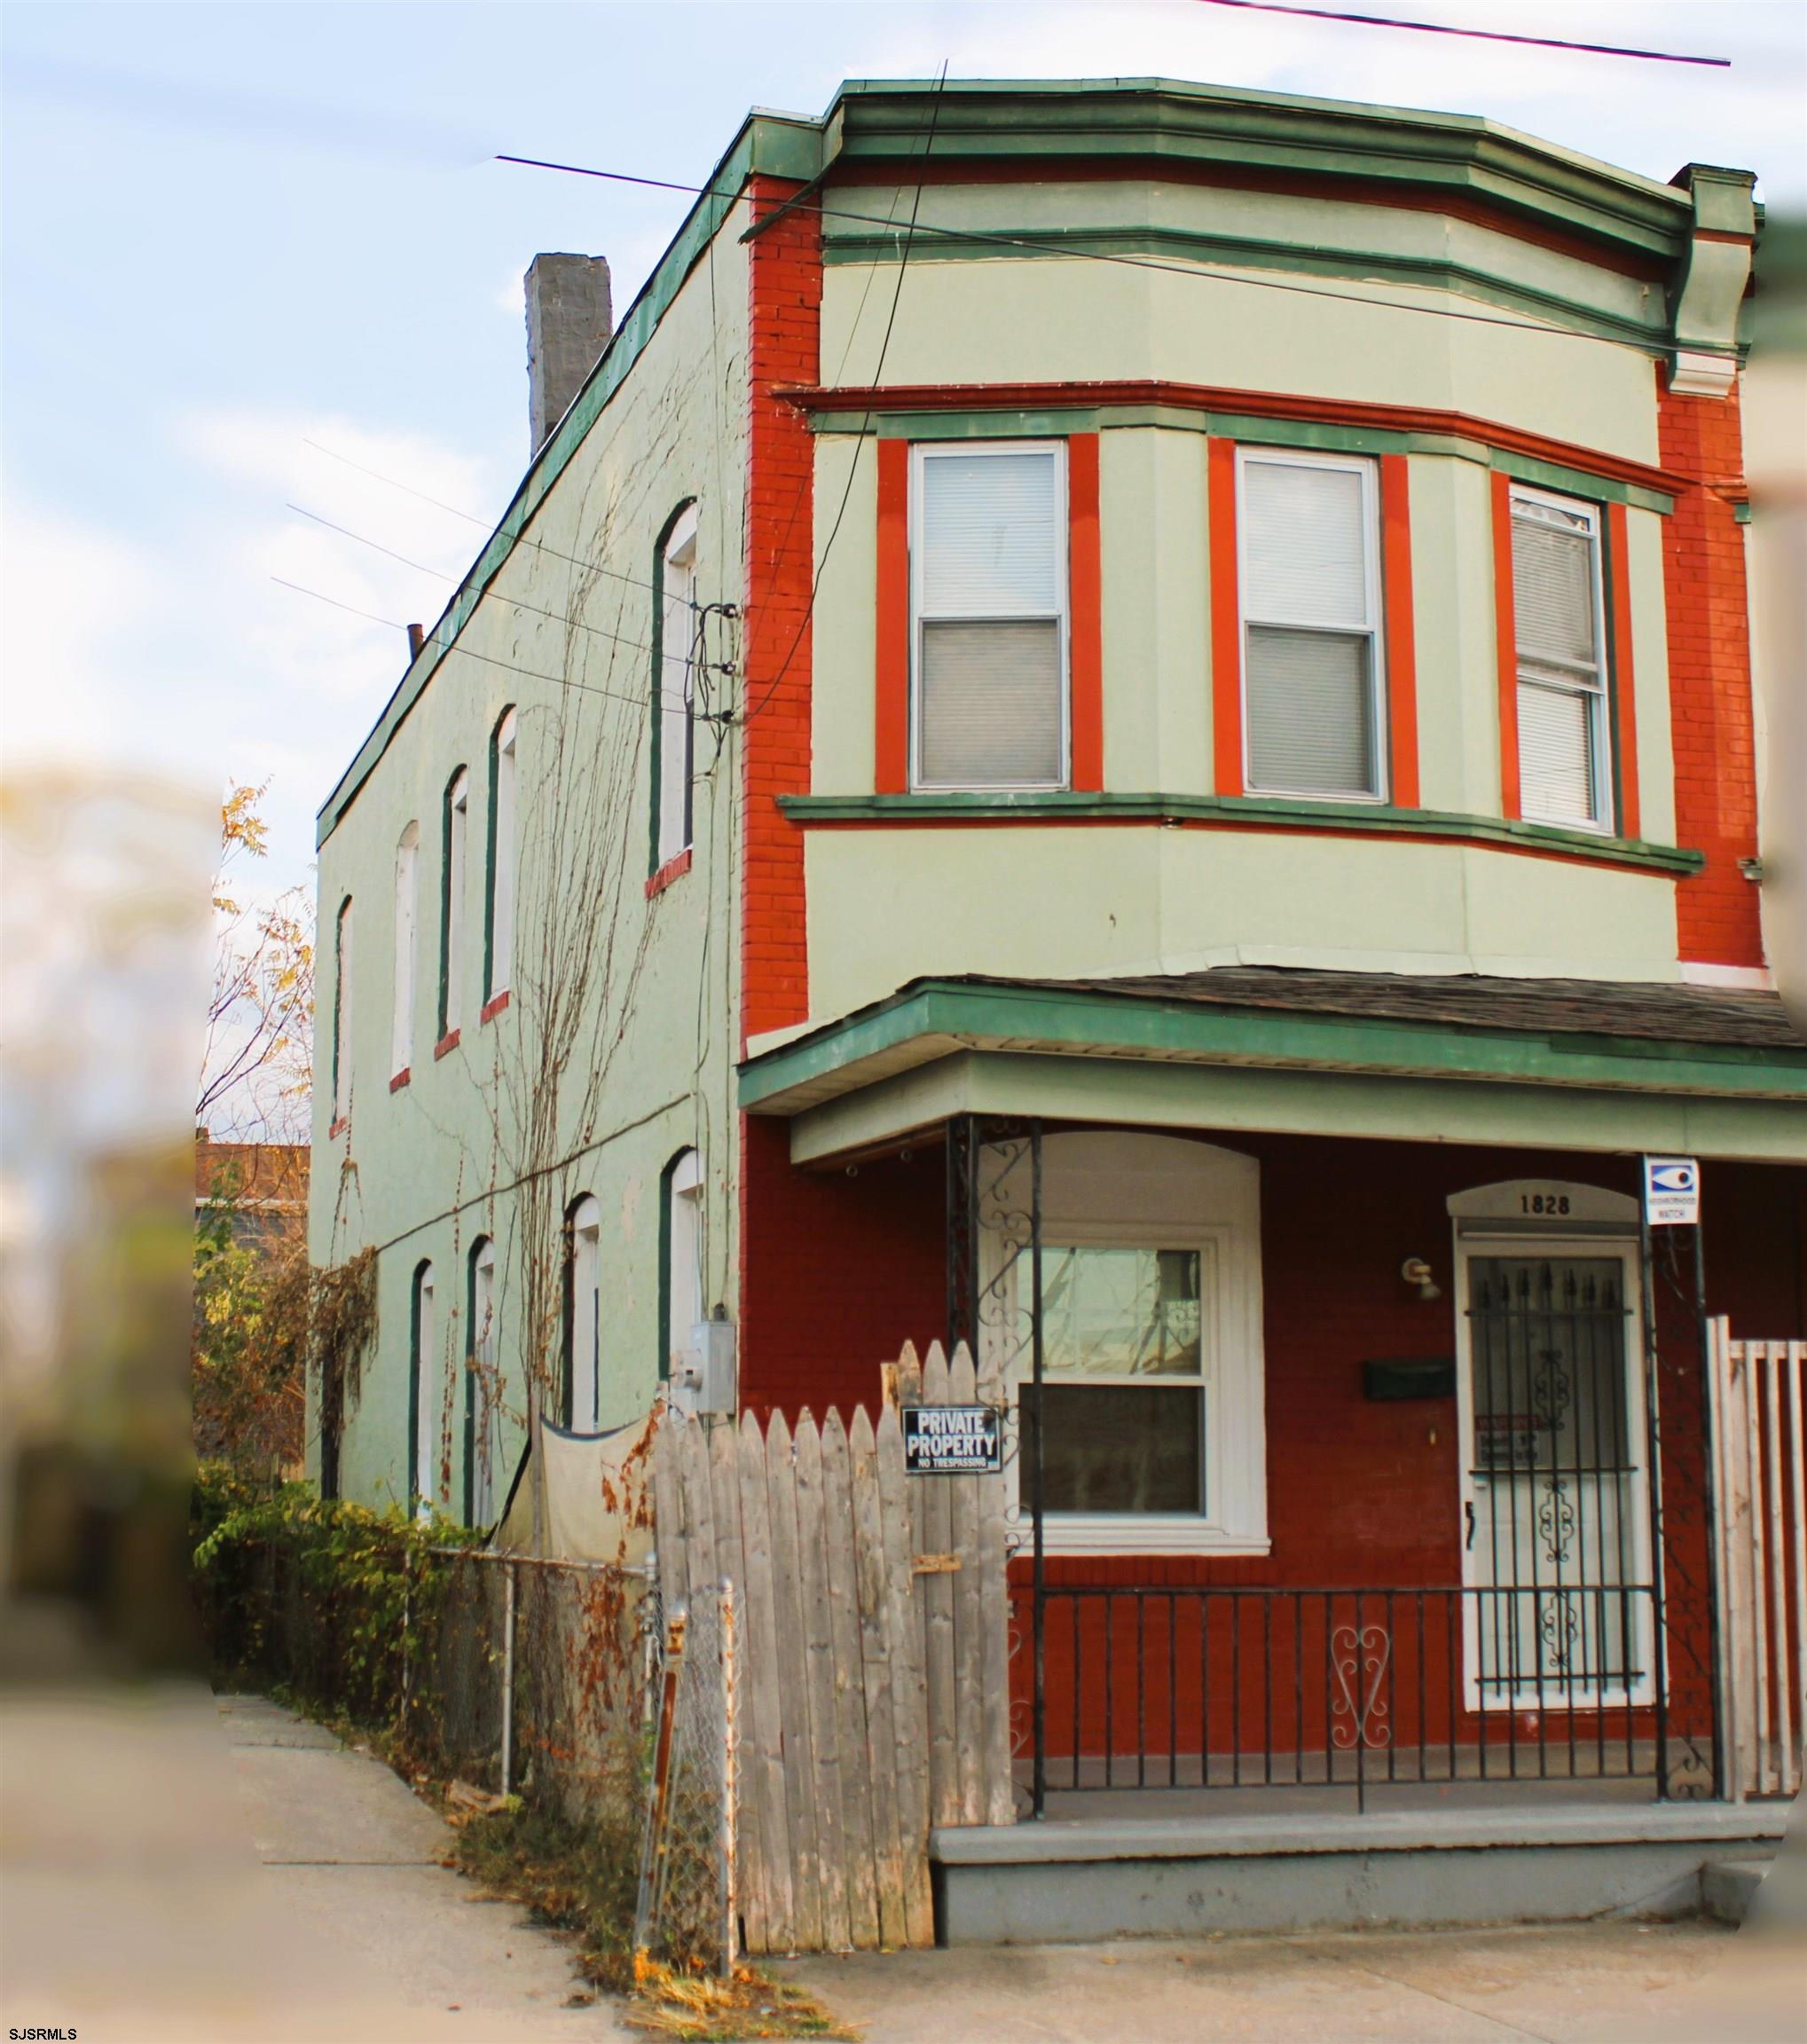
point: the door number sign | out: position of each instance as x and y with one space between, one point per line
952 1440
1671 1193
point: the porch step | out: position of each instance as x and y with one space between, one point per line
1729 1886
1083 1880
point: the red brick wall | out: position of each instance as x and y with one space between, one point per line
785 316
1710 716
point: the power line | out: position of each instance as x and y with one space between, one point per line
1477 35
489 659
987 238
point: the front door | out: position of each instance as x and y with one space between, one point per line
1556 1547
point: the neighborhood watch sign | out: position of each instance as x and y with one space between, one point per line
952 1440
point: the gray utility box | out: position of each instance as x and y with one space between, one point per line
704 1378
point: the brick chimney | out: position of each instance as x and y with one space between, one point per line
568 322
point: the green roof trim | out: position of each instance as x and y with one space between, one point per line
955 1016
1259 811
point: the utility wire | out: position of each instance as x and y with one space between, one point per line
1478 35
512 667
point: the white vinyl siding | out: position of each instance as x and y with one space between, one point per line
401 1018
1308 541
989 617
500 932
676 684
1564 756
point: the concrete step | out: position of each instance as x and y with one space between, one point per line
1727 1887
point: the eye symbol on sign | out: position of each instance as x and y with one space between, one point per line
1673 1177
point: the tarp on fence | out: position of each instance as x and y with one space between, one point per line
595 1486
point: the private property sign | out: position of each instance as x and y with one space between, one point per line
952 1440
1671 1193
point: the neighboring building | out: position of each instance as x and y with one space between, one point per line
265 1183
1199 636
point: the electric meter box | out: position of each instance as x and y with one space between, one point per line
704 1378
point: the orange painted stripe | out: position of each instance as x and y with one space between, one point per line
1085 596
1401 655
891 663
1506 641
1226 623
1624 688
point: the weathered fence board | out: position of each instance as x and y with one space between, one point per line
874 1670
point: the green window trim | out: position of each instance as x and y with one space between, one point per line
490 987
416 1364
665 1314
1253 811
446 882
655 690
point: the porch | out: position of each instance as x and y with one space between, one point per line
1409 1548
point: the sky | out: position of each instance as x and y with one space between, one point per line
236 236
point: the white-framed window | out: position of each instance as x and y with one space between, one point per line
1313 678
584 1318
498 909
1565 752
341 1014
1155 1431
988 615
407 885
676 683
423 1483
680 1285
456 835
481 1389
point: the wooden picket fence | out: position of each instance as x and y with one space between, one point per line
1758 1389
874 1678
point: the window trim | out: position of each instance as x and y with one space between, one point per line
682 1177
343 938
682 529
1603 723
577 1223
921 452
404 985
502 858
423 1495
482 1255
456 803
1367 468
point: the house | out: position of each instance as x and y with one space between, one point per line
1150 685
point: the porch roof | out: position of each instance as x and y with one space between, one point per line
1577 1064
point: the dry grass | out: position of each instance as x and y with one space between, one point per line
705 2010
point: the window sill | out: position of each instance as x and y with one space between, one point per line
492 1007
1133 1534
449 1042
674 869
1240 812
401 1079
339 1127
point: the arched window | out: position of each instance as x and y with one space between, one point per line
423 1393
451 886
680 1256
583 1386
481 1389
402 1022
673 686
499 901
341 1016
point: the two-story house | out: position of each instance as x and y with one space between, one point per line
1118 723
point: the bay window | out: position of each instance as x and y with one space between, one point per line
989 624
1565 773
1307 531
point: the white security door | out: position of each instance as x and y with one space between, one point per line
1556 1548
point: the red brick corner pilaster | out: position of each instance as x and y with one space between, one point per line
785 315
1711 720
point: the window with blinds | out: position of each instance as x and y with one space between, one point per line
988 571
1307 539
1564 774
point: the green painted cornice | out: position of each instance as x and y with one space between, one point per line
1258 812
935 1017
1170 121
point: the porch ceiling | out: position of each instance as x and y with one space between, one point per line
1572 1064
